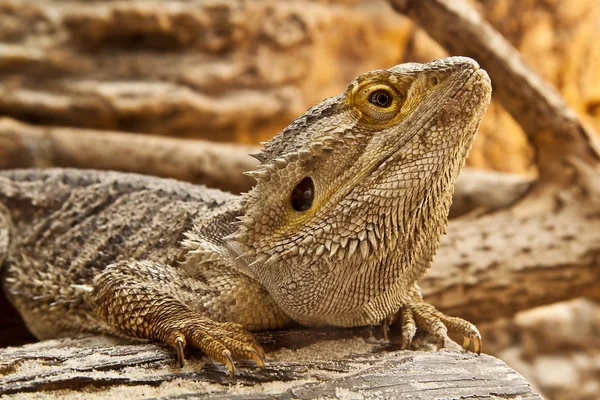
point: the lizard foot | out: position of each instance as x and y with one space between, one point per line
427 317
223 342
130 297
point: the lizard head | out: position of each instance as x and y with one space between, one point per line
352 197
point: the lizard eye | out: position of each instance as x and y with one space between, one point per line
379 102
381 98
303 194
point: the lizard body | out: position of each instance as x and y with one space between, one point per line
350 203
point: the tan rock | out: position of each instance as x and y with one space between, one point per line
560 327
555 373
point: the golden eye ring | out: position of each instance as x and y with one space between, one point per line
378 103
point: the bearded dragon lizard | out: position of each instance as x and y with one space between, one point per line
347 213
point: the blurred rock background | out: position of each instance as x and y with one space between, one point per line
239 71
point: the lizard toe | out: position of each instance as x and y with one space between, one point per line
426 317
225 342
470 334
472 338
409 328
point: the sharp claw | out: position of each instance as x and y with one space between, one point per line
257 358
407 338
258 350
229 363
466 343
477 345
406 341
180 346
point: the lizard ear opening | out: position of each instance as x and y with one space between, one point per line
303 195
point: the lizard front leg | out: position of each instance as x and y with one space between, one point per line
151 300
417 314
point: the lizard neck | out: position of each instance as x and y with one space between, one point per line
382 253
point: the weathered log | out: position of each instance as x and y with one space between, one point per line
213 164
543 250
307 367
486 191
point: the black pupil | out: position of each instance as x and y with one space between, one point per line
381 98
303 194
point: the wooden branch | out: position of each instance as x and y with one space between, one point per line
487 191
538 252
93 365
213 164
551 125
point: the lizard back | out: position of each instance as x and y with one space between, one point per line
76 222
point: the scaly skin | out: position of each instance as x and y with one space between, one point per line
350 203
